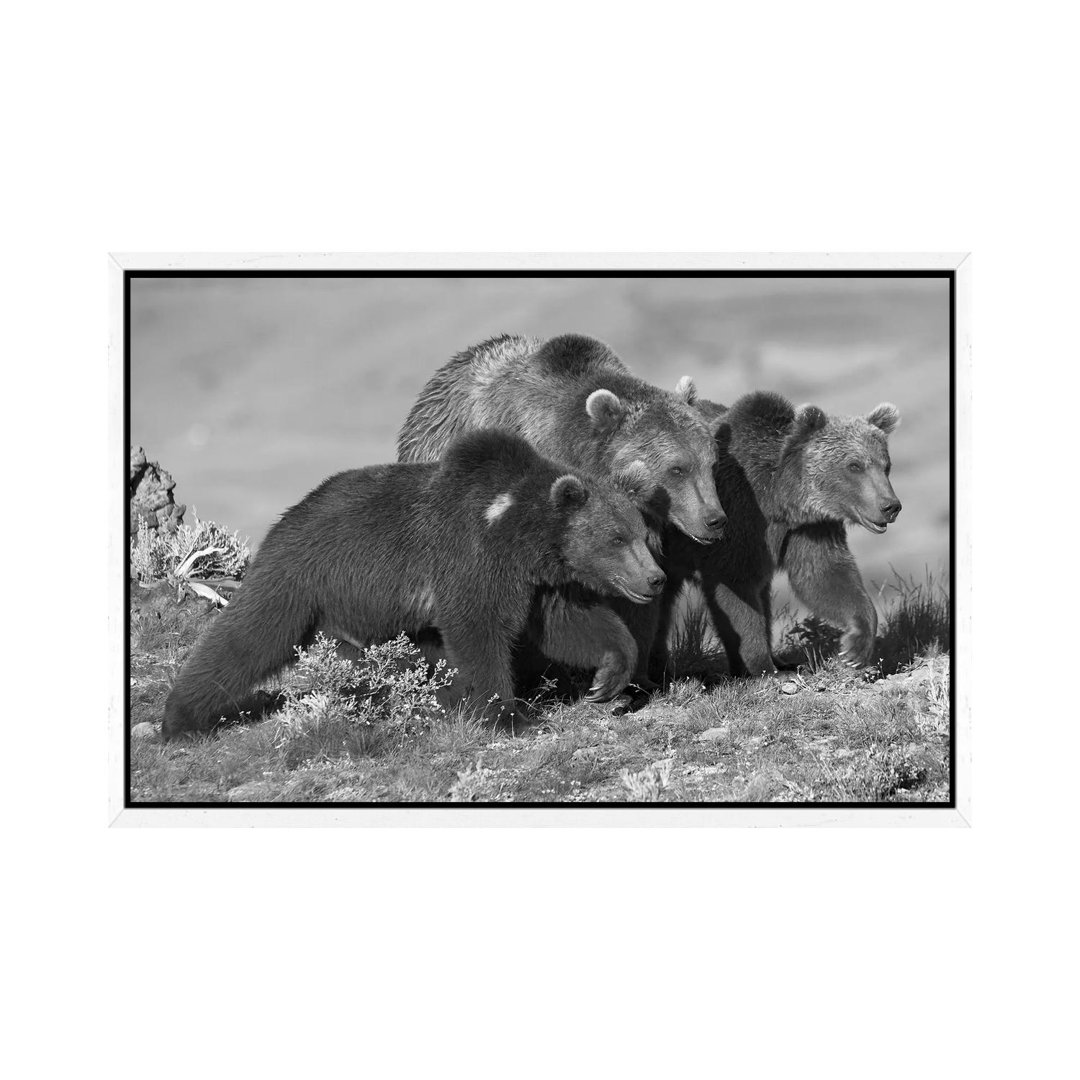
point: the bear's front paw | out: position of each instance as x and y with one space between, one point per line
610 679
857 645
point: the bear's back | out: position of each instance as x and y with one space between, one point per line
349 508
518 383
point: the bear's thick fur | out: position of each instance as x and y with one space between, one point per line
575 402
790 480
460 546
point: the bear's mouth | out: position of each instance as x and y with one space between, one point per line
703 540
873 526
636 597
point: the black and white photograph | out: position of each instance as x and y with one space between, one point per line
526 530
540 537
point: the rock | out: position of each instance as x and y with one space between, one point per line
136 462
713 734
144 731
789 687
150 496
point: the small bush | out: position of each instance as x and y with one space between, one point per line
648 784
334 706
202 550
811 641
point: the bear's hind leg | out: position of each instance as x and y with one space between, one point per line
250 640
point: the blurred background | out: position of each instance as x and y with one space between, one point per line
251 391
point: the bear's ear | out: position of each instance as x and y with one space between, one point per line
686 389
605 409
568 492
886 417
808 419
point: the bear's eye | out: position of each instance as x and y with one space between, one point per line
676 470
617 541
855 466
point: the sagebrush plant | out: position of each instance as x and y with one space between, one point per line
400 688
201 550
320 669
811 641
330 702
648 784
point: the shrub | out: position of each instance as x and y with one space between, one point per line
811 641
202 550
648 784
334 706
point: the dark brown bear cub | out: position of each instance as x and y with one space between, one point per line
791 480
460 546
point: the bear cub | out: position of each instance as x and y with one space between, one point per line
460 546
792 480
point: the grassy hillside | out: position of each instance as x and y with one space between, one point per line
821 734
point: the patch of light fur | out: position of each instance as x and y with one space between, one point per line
499 507
491 362
425 600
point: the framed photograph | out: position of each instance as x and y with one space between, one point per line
540 539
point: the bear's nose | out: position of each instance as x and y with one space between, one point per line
656 582
715 519
891 508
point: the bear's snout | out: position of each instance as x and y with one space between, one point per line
657 583
891 508
714 518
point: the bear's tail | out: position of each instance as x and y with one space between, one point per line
249 641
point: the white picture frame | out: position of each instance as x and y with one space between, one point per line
957 814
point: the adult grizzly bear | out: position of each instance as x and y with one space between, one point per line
461 546
791 479
574 401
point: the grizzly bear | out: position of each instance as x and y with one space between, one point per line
575 402
791 480
460 546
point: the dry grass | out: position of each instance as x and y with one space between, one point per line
823 734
